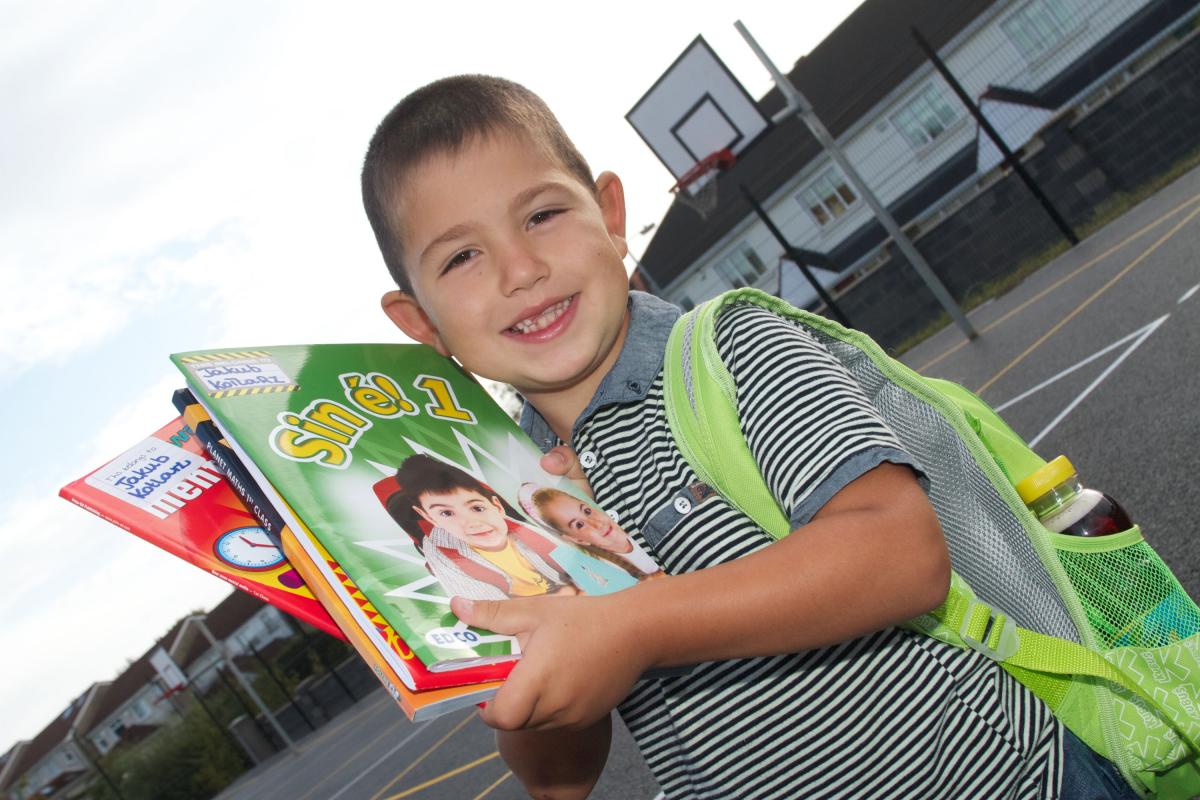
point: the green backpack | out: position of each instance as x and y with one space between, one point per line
1022 595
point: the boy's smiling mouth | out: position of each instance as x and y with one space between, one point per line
544 322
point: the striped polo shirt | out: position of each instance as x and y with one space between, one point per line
889 715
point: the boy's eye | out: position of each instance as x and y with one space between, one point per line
458 259
542 216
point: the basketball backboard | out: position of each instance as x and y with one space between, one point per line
696 108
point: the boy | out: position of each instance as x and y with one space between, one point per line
472 547
508 256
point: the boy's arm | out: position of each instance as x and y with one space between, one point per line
873 556
558 764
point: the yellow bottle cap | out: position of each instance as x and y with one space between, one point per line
1045 479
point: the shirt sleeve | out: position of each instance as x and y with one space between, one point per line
809 426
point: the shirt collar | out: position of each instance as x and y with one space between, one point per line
637 366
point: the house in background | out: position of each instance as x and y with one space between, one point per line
53 763
242 623
133 706
895 118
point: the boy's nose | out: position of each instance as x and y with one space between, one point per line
520 269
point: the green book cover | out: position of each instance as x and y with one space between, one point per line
416 483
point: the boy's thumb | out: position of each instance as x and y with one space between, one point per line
480 613
561 460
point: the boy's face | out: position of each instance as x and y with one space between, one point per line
516 267
582 524
467 515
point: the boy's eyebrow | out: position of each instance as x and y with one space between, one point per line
530 194
462 229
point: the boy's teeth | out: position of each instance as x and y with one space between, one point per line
542 320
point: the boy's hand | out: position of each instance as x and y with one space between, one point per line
562 460
578 660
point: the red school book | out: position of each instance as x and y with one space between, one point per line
168 491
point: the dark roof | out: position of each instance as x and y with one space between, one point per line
232 613
854 68
49 738
229 615
13 764
130 681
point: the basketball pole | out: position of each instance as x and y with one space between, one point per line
796 103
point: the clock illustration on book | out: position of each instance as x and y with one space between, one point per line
248 548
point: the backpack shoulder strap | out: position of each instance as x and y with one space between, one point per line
701 405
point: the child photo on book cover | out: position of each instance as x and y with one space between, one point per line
471 538
587 527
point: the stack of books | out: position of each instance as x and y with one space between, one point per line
357 487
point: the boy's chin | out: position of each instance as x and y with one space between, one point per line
488 544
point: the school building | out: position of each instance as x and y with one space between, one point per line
1096 97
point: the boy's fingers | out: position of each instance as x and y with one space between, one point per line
513 705
497 616
562 460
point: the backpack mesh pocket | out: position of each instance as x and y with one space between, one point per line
1128 593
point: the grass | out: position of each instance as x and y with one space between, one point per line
1105 213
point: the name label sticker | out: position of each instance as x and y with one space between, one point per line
241 373
149 475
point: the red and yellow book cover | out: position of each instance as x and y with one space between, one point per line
439 698
165 490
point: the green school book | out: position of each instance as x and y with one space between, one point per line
327 426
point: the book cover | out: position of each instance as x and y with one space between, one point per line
165 490
414 481
435 693
415 679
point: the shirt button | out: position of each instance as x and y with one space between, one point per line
588 459
683 505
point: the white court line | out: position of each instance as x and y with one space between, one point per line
380 760
1187 295
1151 328
1074 367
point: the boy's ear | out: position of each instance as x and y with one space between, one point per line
421 513
611 196
404 310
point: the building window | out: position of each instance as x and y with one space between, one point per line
925 118
1037 26
743 267
828 197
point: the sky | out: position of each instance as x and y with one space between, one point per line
179 176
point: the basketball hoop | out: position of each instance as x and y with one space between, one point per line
697 188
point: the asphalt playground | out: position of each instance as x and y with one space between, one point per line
1096 356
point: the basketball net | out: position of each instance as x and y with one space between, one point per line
697 188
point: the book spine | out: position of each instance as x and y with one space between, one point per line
230 465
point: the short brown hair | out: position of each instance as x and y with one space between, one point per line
443 117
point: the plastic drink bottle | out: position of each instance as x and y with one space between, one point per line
1128 594
1055 494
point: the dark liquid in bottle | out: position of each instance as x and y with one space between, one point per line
1104 518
